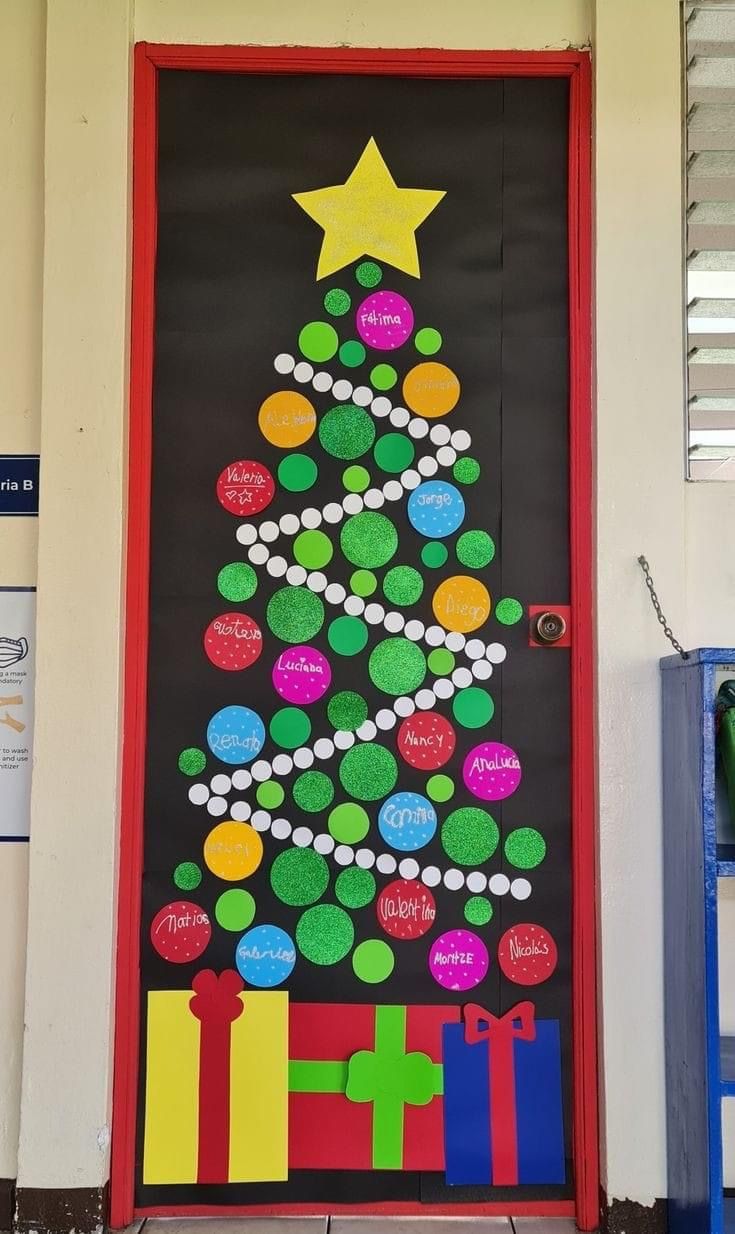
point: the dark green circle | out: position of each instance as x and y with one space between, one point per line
297 472
473 707
466 470
295 614
356 478
192 761
313 791
347 710
337 302
434 554
368 274
347 635
290 728
235 909
352 353
325 934
368 772
237 581
347 431
394 452
475 549
441 661
299 876
363 583
469 836
403 585
187 875
355 887
440 788
427 340
478 910
368 539
525 848
397 666
508 611
318 341
383 377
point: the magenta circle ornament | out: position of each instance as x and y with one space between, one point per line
492 771
458 960
301 674
384 320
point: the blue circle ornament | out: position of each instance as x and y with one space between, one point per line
407 821
436 509
236 735
265 956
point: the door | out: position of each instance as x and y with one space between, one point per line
356 885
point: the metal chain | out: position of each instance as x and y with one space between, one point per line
659 612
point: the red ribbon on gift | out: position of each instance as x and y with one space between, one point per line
500 1032
216 1003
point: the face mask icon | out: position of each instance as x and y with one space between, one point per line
12 650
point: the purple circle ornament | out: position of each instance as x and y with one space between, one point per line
301 674
384 320
458 960
492 771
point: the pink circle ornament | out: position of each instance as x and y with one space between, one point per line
458 960
492 771
301 674
384 320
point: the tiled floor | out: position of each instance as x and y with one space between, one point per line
359 1225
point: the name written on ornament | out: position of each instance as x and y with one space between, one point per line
517 952
498 762
374 318
299 666
444 958
231 741
406 908
235 627
423 741
399 817
182 921
283 954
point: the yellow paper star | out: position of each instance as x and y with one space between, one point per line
370 216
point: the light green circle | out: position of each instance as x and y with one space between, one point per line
235 909
368 772
478 910
325 934
469 836
192 761
525 848
347 431
297 472
466 470
355 887
368 274
373 961
427 340
434 554
440 788
403 585
295 614
299 876
337 302
475 549
508 611
237 581
347 710
356 479
313 791
473 707
363 583
290 727
368 539
348 823
318 341
270 794
394 453
313 549
187 875
383 377
441 661
397 666
352 353
347 635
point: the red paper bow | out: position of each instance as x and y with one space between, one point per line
500 1033
217 997
482 1025
217 1004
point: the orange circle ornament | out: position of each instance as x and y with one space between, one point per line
286 419
461 603
431 389
233 851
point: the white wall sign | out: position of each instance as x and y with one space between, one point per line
17 673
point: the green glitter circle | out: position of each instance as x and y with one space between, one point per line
368 539
237 581
525 848
318 341
434 554
466 470
368 772
192 761
440 788
352 353
478 910
290 727
313 791
355 887
403 585
337 302
297 472
270 794
295 614
347 431
473 707
347 710
475 549
368 274
348 823
373 961
363 583
347 635
469 836
325 934
235 909
428 341
356 479
383 377
394 452
313 549
397 666
441 661
187 875
299 876
508 611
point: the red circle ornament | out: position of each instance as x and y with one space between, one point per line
527 954
180 931
233 641
426 740
245 487
406 909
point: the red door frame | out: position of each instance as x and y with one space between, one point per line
149 58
